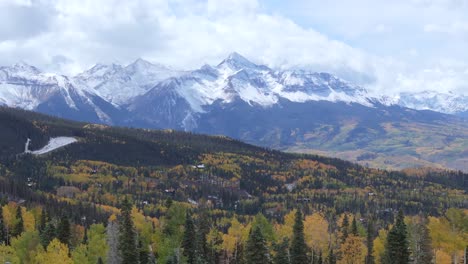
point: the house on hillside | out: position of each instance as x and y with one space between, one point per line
67 191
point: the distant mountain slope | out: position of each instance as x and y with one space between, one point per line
294 110
441 102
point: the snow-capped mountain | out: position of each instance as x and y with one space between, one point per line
297 110
449 103
118 84
237 78
147 94
25 86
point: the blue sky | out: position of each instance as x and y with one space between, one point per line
387 46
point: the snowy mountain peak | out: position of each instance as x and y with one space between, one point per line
430 100
102 69
235 61
144 65
22 68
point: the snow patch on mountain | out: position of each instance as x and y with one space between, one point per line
53 144
449 103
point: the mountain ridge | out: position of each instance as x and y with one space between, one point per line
293 110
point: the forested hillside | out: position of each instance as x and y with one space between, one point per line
122 195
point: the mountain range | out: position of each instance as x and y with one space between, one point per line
293 110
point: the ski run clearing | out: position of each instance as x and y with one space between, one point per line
54 143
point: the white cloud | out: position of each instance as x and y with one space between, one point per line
74 34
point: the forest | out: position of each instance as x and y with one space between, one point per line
123 195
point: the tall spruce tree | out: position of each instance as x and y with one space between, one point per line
64 230
127 237
257 250
282 252
42 221
47 235
3 233
143 253
354 229
298 246
370 243
189 241
344 228
19 227
397 250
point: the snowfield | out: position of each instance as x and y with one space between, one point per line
54 143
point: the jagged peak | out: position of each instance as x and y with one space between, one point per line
23 66
237 61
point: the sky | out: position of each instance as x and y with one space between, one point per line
385 46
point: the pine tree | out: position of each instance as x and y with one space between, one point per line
47 235
143 253
127 238
354 229
85 236
282 252
257 251
19 227
298 246
344 228
3 233
64 230
370 243
331 258
424 253
189 240
396 250
43 221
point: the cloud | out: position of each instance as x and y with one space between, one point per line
22 20
349 39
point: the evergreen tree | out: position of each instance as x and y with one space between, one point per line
64 230
354 229
42 221
19 227
344 228
143 253
298 246
370 243
85 236
47 235
127 237
204 227
424 253
189 240
331 258
396 250
257 251
282 252
3 233
100 261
